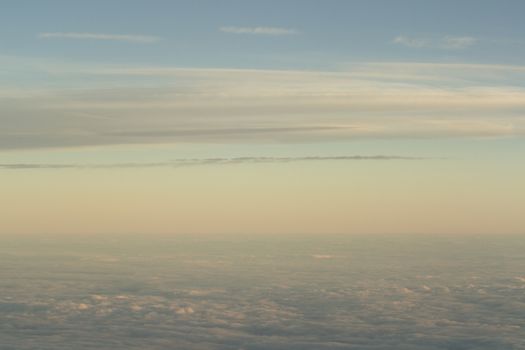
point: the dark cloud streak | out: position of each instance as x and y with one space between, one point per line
178 163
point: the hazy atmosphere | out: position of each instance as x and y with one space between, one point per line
245 174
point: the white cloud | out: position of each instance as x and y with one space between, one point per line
322 256
83 307
144 39
188 310
411 42
458 42
276 31
447 42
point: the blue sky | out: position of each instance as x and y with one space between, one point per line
329 33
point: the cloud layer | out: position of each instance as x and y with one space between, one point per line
261 293
101 105
202 161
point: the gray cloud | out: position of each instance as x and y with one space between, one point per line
222 131
225 293
145 106
177 163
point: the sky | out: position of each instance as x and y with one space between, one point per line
262 117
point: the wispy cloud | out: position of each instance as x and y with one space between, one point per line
458 42
207 132
276 31
410 42
178 163
364 100
447 42
144 39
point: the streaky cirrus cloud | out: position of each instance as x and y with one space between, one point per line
362 100
143 39
446 42
458 42
410 42
275 31
185 162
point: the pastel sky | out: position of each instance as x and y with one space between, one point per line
262 117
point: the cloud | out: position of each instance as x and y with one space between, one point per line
322 256
447 42
185 310
144 39
207 132
21 166
178 163
449 68
411 42
458 42
353 302
275 31
106 105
